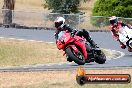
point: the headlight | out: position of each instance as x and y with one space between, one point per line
60 45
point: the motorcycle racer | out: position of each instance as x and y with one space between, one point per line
114 28
61 26
75 44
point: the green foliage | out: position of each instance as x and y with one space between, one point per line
69 6
120 8
53 4
63 6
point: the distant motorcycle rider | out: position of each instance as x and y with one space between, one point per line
114 28
61 26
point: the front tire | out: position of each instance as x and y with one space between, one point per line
101 58
77 58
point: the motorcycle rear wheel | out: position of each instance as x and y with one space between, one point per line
77 58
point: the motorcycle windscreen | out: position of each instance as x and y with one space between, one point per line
64 36
60 35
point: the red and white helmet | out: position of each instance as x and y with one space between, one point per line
59 22
113 20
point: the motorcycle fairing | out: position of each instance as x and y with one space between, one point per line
125 34
81 44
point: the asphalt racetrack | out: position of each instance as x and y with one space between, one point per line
103 39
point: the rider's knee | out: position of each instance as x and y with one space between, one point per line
79 33
85 31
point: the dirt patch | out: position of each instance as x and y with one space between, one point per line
53 79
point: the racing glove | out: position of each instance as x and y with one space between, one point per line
73 32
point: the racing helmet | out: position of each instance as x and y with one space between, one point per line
59 22
113 20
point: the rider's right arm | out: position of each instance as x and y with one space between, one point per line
114 34
56 35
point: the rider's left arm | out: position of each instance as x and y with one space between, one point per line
128 25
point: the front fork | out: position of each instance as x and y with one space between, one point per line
73 47
75 50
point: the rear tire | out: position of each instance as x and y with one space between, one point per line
71 54
101 58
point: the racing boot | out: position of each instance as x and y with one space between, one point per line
89 60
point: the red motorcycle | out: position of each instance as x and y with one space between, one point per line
77 49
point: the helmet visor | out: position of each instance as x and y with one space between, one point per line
113 21
58 24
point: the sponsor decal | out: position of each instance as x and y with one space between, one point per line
83 78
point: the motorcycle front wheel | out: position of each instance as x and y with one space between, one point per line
76 57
